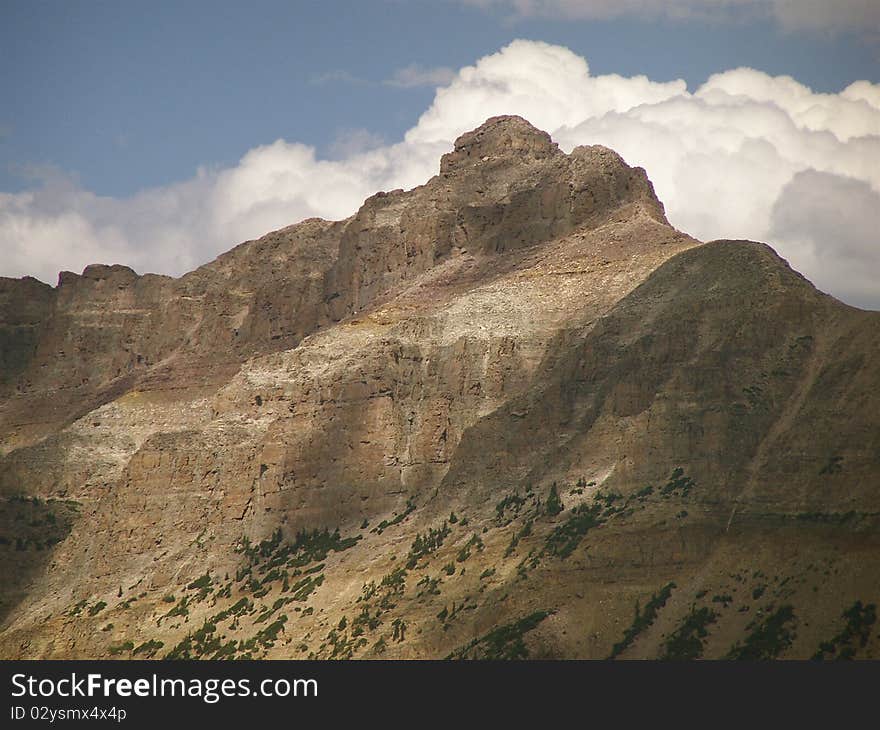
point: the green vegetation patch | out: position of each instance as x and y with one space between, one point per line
465 552
148 648
643 619
32 523
503 642
686 642
301 590
121 648
202 642
860 619
271 556
679 483
768 637
508 509
424 546
181 608
97 608
395 580
523 532
563 540
385 524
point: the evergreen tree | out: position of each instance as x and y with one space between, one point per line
554 503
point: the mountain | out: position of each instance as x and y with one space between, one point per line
510 413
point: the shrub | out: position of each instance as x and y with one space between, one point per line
125 646
97 608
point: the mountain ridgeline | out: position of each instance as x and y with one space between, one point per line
511 413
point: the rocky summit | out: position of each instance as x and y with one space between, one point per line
510 413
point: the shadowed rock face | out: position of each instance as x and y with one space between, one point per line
521 396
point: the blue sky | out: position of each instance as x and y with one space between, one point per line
130 95
160 134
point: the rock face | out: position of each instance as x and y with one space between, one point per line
512 397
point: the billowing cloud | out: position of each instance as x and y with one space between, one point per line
745 155
414 75
350 142
816 209
859 16
548 85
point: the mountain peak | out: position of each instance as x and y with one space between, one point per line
503 136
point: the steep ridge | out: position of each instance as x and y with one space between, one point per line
474 381
742 397
110 330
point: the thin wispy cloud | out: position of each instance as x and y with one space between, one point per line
745 155
859 16
335 76
414 75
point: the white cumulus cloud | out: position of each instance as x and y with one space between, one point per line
745 155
